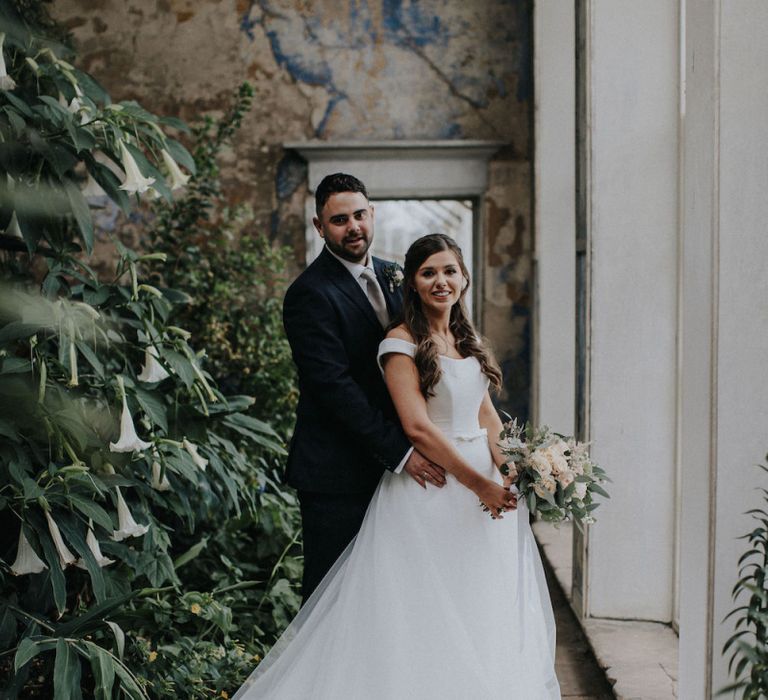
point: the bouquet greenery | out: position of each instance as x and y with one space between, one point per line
553 473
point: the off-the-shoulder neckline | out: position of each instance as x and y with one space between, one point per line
444 357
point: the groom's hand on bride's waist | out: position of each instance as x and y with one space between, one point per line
423 471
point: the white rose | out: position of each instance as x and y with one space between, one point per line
566 478
540 463
581 489
557 461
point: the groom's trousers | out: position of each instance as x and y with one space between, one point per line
330 521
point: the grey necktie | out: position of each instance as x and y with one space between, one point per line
375 296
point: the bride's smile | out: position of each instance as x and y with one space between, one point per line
439 282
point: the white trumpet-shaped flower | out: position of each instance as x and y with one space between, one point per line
152 370
159 483
178 178
93 545
127 526
13 227
134 180
6 81
128 440
65 556
27 561
200 461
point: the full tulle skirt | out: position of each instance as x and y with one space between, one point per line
433 599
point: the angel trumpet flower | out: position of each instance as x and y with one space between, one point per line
65 556
27 561
134 182
128 527
199 461
6 81
178 178
13 227
152 370
93 545
129 440
158 483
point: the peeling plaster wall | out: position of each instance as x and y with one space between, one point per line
342 70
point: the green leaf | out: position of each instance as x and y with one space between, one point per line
119 637
91 510
17 330
103 670
190 554
28 649
66 672
94 617
128 684
77 539
16 365
157 567
58 583
153 406
20 104
7 628
175 123
181 365
90 356
109 182
81 212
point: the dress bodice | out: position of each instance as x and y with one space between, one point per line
455 406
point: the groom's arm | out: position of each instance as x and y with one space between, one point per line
323 364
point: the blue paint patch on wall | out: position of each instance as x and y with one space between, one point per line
412 24
451 131
298 65
291 174
328 110
247 25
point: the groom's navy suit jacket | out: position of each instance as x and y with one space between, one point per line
346 431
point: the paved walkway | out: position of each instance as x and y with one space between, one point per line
580 676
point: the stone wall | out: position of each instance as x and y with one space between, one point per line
342 70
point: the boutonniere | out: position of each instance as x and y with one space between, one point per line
394 276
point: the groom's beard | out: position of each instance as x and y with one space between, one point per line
349 249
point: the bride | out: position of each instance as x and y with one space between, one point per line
442 594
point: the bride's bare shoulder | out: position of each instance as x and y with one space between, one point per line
401 333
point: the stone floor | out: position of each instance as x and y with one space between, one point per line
580 676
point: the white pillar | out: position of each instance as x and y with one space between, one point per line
631 94
554 167
724 318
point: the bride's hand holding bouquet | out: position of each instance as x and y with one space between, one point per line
553 473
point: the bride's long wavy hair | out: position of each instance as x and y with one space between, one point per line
468 343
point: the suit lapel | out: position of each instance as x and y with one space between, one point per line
345 283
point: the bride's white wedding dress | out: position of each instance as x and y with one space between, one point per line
433 599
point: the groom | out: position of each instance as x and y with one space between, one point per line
346 431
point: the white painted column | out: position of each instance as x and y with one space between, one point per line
554 167
724 318
632 89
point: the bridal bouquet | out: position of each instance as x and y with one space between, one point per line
552 472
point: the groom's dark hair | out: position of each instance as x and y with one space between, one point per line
333 184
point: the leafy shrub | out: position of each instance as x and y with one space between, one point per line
186 542
749 644
235 276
